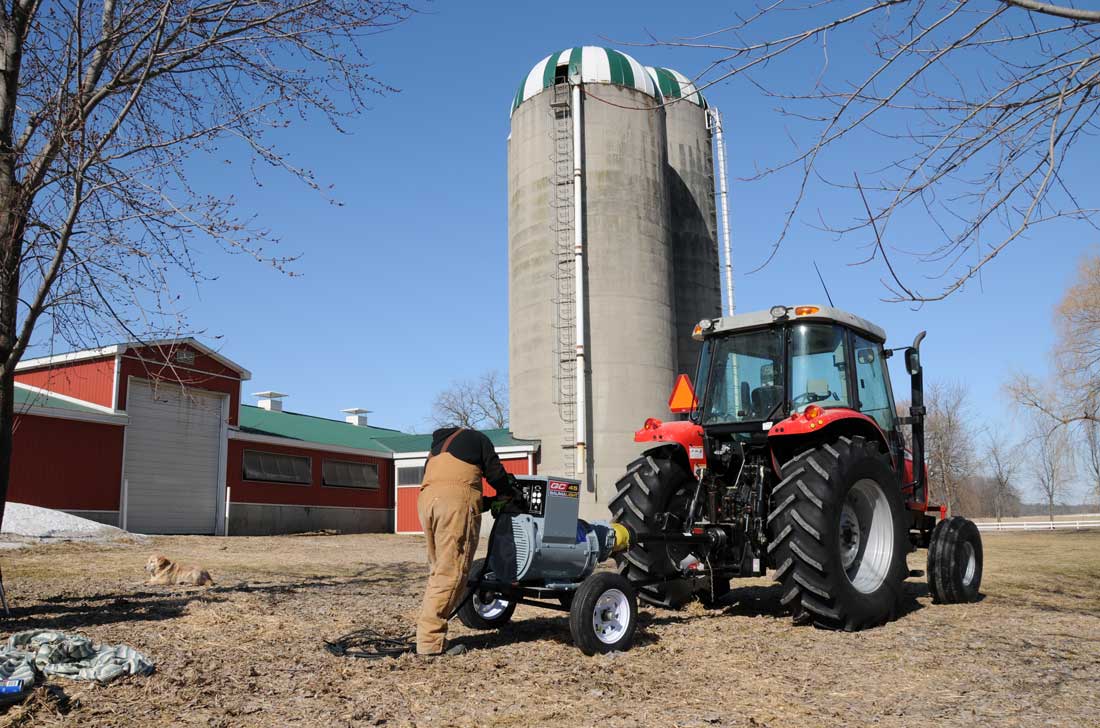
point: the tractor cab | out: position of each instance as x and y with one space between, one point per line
756 370
792 371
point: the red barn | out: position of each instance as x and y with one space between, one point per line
161 471
153 437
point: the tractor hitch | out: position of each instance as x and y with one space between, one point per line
713 536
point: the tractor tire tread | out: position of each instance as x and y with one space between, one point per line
641 493
945 567
804 533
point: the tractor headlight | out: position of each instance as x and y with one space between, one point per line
778 311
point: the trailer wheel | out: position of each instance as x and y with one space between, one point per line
485 610
651 484
604 614
838 536
955 562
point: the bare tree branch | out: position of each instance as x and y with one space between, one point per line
975 110
103 105
1088 16
476 404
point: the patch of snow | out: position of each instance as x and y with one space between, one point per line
21 519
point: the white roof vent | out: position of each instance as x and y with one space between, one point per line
270 401
356 416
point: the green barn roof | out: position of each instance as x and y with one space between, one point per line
295 426
423 443
322 431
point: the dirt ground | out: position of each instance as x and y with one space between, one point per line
249 650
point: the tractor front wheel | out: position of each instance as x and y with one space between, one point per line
838 537
955 561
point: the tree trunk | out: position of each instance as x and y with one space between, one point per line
12 226
7 421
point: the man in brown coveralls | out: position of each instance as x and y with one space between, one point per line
450 506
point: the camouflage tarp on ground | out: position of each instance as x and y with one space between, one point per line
71 656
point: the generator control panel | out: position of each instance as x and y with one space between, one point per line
554 500
534 492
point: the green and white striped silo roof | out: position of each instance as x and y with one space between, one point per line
592 64
675 85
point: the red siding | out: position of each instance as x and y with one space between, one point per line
515 466
306 495
408 519
156 364
91 381
66 464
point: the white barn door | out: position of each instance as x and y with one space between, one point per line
174 468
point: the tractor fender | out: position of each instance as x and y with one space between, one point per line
680 440
790 436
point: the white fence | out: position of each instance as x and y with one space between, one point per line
1039 525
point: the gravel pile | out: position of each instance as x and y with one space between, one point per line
21 519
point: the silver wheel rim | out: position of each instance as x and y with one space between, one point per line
611 616
866 536
488 609
970 561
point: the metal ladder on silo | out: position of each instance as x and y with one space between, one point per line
564 302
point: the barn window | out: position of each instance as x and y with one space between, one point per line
344 474
274 467
410 476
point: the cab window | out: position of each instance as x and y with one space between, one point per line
818 366
871 385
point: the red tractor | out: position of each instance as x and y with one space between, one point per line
793 460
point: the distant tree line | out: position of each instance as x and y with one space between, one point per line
480 403
982 473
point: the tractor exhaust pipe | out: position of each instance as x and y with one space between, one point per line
917 412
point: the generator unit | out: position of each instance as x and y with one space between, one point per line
544 541
541 554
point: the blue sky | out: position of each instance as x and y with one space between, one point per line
403 288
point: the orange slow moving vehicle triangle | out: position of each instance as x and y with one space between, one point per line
683 395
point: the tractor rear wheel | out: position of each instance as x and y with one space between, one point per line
838 536
651 484
955 561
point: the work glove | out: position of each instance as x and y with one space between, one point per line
494 503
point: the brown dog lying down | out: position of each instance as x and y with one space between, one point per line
165 571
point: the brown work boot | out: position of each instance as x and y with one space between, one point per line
459 649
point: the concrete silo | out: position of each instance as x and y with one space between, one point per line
593 277
691 210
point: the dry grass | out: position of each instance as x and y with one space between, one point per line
248 651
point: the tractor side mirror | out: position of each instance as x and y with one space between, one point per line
912 361
912 355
